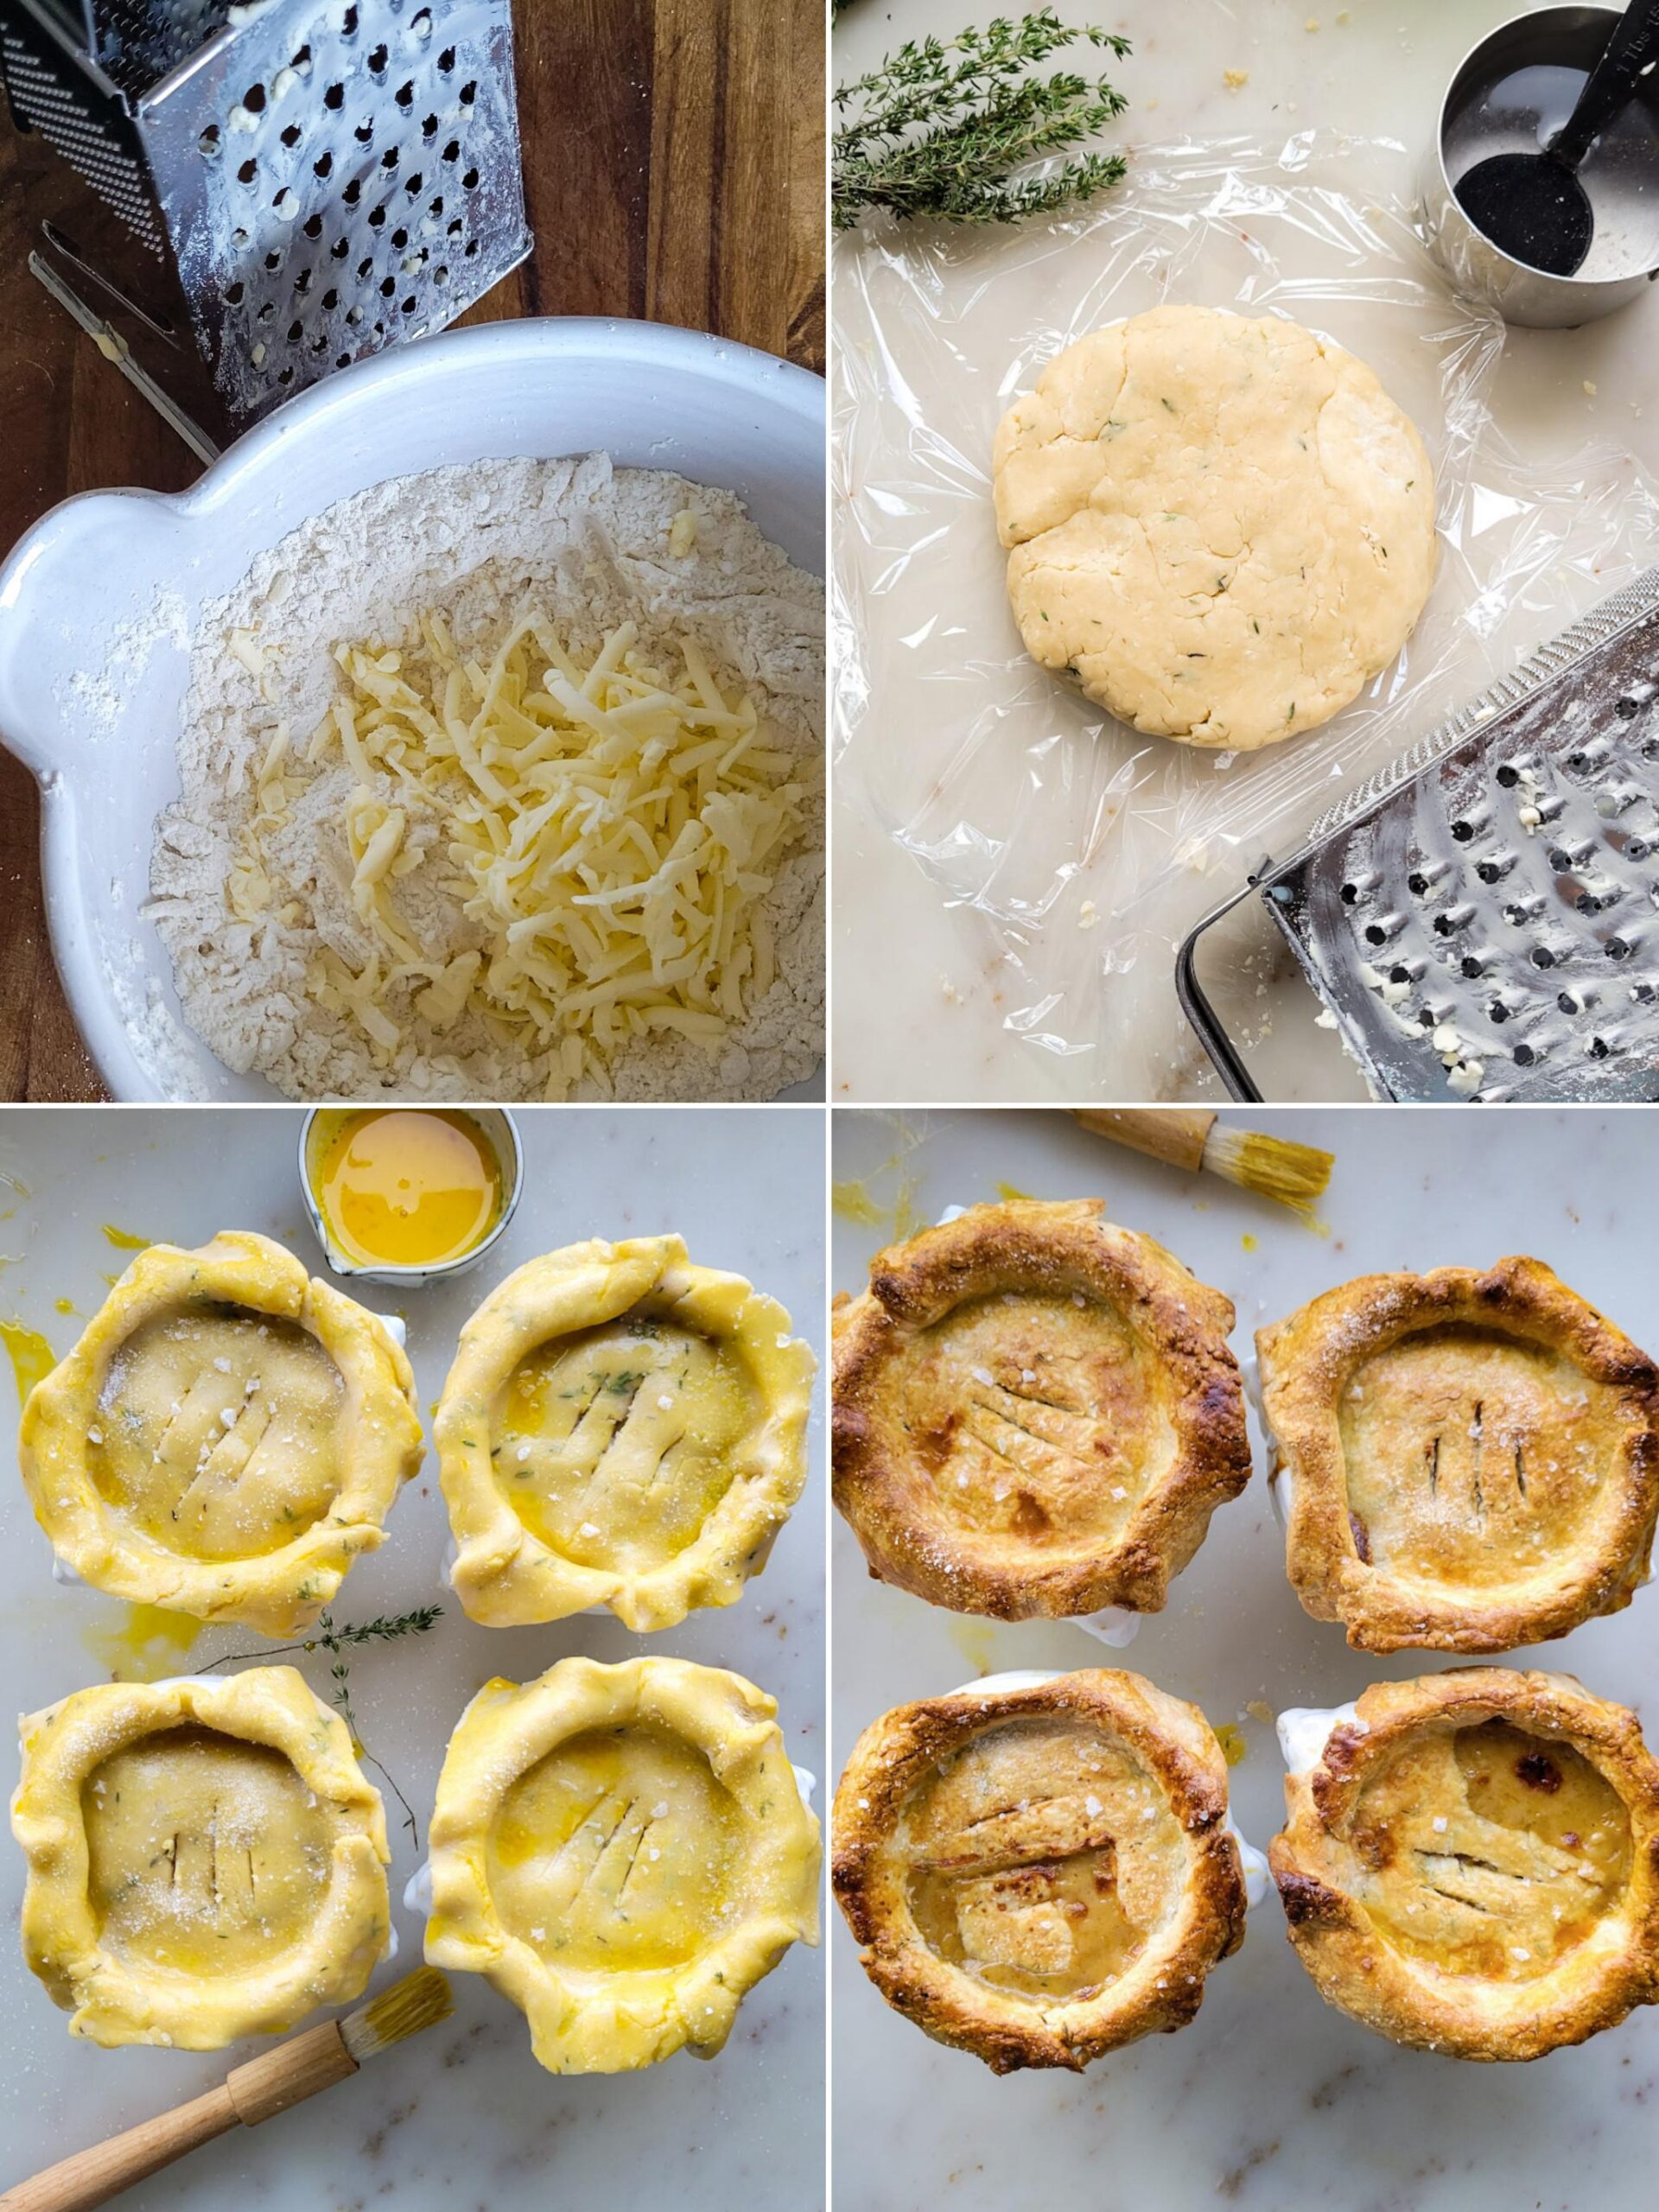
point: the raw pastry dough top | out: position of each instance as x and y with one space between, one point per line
225 1440
205 1859
622 1851
1225 527
620 1428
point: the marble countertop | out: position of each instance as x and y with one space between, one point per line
945 1021
463 2116
1269 2098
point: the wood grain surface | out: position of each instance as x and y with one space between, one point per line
673 171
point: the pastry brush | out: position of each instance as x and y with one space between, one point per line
267 2085
1293 1174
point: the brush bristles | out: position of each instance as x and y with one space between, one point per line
1293 1174
420 2000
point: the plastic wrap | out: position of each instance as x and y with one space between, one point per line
1085 850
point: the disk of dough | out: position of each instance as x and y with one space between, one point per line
1224 527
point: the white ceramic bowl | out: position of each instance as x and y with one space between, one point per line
91 686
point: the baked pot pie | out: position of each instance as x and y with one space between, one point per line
225 1439
205 1859
1041 1871
623 1852
1469 1862
1472 1459
1036 1413
623 1429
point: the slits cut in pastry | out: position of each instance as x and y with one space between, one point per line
623 1429
206 1859
225 1439
1036 1413
623 1852
1473 1458
1470 1862
1040 1873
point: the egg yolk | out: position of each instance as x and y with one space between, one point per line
405 1187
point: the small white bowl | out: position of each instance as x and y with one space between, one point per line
500 1133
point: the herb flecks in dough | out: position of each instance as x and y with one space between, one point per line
1300 551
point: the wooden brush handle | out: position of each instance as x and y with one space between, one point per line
265 2086
93 2176
1174 1134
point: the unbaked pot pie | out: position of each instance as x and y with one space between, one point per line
225 1439
1473 1458
1469 1862
1036 1413
1042 1871
620 1428
623 1852
206 1859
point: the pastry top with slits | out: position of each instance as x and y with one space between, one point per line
620 1428
205 1859
1473 1863
623 1852
226 1437
1473 1458
1035 1412
1040 1873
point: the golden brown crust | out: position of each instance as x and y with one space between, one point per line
1472 1457
1036 1413
1404 1901
1142 1824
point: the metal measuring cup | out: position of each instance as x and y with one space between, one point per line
1621 175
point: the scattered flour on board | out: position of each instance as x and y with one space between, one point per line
597 546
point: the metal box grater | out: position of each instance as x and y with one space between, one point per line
251 195
1482 917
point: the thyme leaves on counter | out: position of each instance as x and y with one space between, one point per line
384 1627
940 129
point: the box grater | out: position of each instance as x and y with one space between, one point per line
251 195
1482 917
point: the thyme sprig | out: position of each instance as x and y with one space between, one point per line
384 1627
940 128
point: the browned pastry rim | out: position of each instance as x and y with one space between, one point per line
1160 1990
1321 1863
1464 1570
1007 1549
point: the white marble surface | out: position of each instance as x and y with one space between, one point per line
1269 2098
463 2116
935 1023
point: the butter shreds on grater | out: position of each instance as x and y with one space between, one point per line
234 199
1481 917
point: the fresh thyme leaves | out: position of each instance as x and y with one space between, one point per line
939 129
384 1627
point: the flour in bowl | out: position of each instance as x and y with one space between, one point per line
324 914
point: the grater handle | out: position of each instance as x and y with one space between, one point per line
110 344
1212 1033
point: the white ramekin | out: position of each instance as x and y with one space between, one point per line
502 1134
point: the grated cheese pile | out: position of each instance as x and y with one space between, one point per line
611 829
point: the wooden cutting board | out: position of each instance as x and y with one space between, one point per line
673 171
